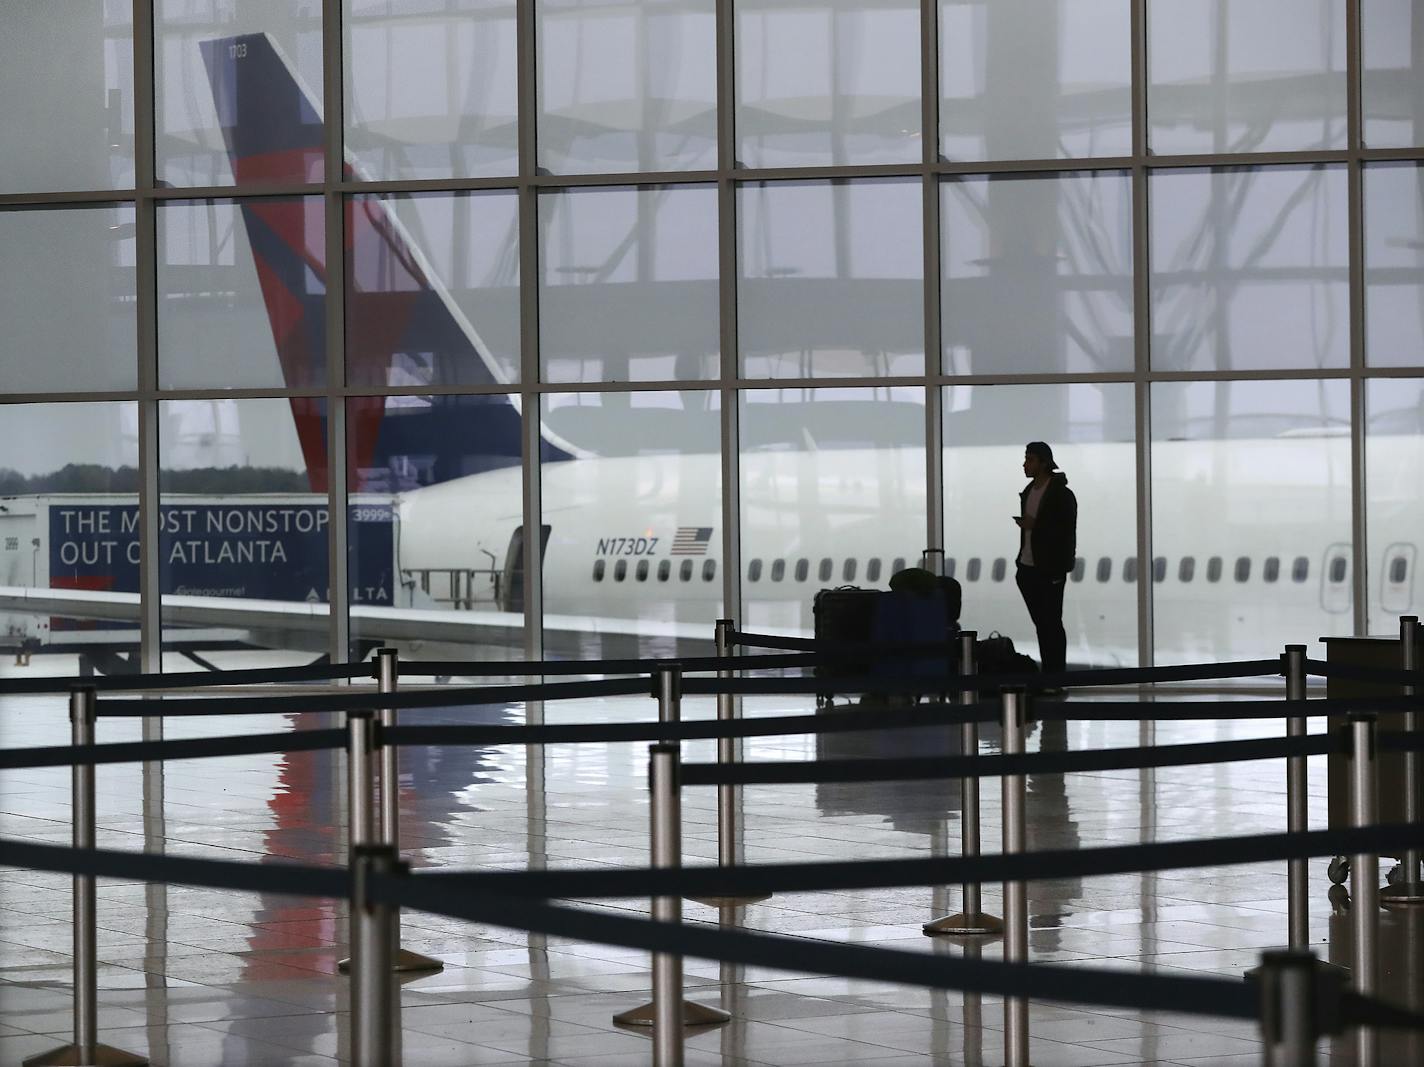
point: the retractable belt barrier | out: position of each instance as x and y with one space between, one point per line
430 893
764 773
929 767
789 772
316 672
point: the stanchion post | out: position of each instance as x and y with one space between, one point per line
1297 814
388 679
1409 889
728 795
1014 706
86 1049
668 1012
1364 877
1288 998
971 919
373 937
360 804
667 968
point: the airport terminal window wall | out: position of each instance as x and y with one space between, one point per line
568 273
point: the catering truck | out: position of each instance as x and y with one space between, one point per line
270 548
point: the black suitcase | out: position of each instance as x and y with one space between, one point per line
844 616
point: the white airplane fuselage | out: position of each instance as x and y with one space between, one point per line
817 519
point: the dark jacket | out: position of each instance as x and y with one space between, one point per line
1055 528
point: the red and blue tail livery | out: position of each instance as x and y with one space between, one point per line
402 326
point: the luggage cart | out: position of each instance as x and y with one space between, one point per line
1383 652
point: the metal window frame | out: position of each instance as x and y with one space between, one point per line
728 177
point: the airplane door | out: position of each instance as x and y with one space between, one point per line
1335 583
512 592
1397 581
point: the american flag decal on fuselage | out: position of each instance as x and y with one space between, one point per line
691 541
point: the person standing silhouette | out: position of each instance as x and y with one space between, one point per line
1048 533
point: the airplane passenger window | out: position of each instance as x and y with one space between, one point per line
1398 569
949 567
778 569
664 570
598 568
1001 567
1104 569
1300 569
971 570
684 573
642 571
1080 568
709 569
1187 569
620 570
1337 569
1213 569
754 571
826 569
803 569
1271 570
872 570
898 566
848 571
1159 569
1129 569
1243 568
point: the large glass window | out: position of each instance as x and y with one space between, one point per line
69 544
1037 273
1263 76
629 284
637 480
242 293
67 298
433 290
627 85
1392 96
1250 269
1025 79
243 523
431 93
1394 265
238 89
436 526
827 82
831 278
66 76
827 471
1394 443
1091 431
1269 463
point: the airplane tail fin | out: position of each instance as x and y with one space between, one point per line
402 324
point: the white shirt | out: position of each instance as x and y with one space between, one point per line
1035 497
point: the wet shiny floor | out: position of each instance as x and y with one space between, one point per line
193 976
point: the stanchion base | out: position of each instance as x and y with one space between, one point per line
731 902
694 1015
1334 970
70 1056
406 962
975 924
1402 895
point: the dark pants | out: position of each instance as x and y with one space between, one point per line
1043 596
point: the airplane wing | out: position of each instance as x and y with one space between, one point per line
282 623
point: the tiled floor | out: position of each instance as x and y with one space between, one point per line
191 976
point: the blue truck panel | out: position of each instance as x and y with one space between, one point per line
262 550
